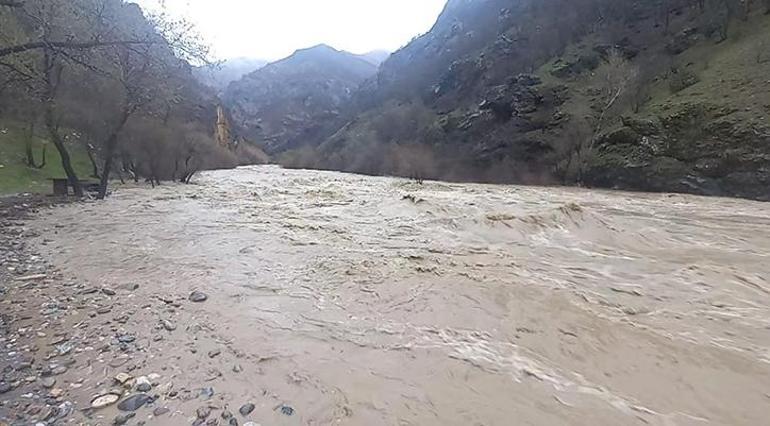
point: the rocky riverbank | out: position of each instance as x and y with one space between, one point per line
84 353
29 331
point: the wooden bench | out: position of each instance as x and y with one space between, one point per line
61 186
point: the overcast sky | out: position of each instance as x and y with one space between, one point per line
273 29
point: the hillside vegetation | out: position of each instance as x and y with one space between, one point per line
17 176
650 95
101 73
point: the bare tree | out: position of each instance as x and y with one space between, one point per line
665 11
725 11
618 76
615 79
746 7
66 45
142 74
66 17
128 77
102 39
52 72
45 60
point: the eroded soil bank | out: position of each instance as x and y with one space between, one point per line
342 299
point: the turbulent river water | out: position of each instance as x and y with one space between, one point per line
381 301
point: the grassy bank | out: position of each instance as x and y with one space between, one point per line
16 177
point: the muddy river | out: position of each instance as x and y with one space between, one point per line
378 301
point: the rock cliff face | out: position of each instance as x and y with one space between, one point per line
643 94
222 133
298 100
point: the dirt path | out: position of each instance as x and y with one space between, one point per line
341 299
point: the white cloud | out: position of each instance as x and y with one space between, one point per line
272 29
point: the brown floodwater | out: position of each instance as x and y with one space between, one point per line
380 301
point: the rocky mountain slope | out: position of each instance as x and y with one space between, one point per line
645 95
297 100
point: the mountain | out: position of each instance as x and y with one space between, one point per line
219 76
298 100
635 94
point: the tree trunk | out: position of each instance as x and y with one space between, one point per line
11 3
190 176
109 153
28 139
94 166
29 154
724 28
66 162
28 136
128 166
42 164
747 6
49 98
104 181
666 12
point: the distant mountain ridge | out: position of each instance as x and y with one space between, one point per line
296 100
219 76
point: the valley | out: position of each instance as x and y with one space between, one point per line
530 212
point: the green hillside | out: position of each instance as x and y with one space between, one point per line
16 177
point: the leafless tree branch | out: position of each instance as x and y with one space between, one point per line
11 3
69 45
